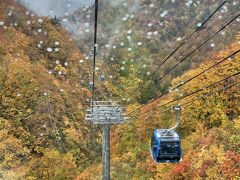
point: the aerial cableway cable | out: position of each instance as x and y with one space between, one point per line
193 100
201 45
218 91
183 43
192 52
95 49
183 59
190 79
94 69
192 93
219 7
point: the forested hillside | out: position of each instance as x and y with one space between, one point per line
46 68
43 92
141 34
209 129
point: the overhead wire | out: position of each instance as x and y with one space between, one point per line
184 42
216 10
217 91
181 44
190 79
192 93
185 105
192 52
95 49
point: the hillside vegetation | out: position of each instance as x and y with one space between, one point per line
44 91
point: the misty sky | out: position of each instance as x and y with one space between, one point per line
54 7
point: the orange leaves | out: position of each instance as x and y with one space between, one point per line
230 167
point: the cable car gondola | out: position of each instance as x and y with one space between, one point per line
166 144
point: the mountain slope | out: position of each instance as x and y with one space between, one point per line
43 93
209 129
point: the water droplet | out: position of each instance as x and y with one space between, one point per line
223 33
149 33
57 43
40 20
124 18
149 24
179 39
129 31
212 45
49 49
164 13
65 20
151 5
199 24
10 13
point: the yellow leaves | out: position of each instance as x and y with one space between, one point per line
62 165
11 151
14 41
60 68
91 173
73 135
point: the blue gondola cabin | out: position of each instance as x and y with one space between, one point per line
166 146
